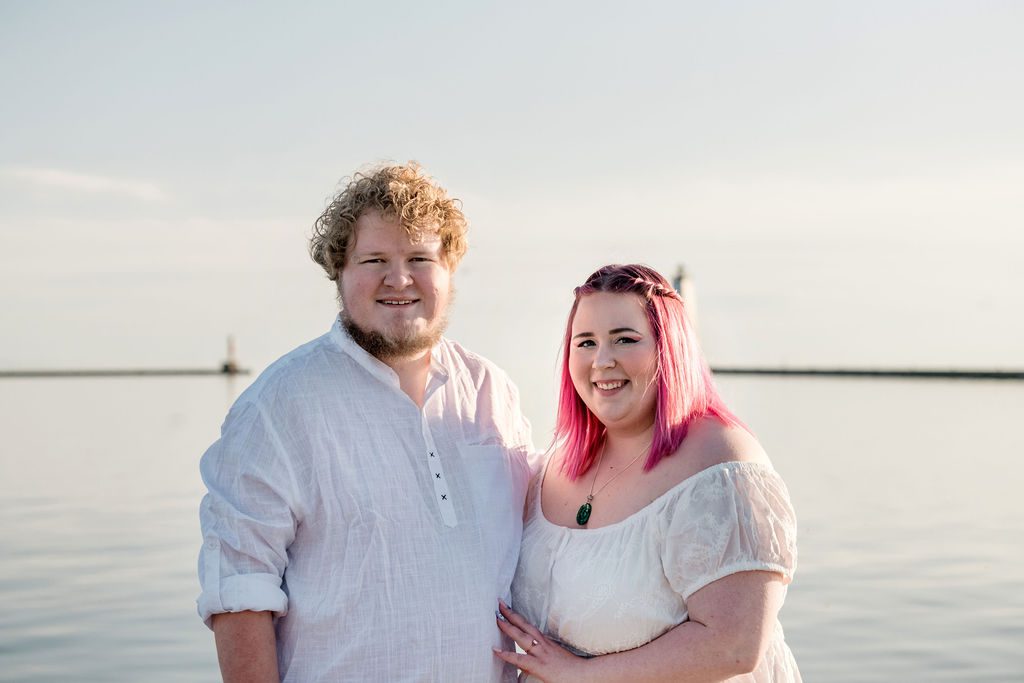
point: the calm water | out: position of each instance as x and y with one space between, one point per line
908 495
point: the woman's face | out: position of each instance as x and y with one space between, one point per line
613 360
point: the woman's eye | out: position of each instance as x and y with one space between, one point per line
626 340
585 344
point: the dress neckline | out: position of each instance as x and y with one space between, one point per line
642 512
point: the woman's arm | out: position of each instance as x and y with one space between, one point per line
730 624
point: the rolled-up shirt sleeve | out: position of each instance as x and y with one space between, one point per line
247 517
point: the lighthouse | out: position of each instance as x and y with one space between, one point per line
682 283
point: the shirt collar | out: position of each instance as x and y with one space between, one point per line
438 373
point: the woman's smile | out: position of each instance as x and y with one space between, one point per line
610 387
613 360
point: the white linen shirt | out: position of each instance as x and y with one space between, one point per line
381 535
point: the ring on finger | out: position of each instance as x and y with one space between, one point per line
533 644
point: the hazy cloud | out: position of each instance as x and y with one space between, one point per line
80 182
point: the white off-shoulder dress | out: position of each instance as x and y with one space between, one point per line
617 587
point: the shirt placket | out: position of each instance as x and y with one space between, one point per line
442 492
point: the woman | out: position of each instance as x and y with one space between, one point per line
669 569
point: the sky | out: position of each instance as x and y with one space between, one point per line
842 180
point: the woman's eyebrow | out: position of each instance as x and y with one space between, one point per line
617 330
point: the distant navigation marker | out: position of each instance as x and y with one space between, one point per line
230 366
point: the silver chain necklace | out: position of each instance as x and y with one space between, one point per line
583 514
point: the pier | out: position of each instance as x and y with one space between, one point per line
229 367
122 372
906 373
683 284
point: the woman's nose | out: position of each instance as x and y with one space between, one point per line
604 358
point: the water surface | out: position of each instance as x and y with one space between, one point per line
907 494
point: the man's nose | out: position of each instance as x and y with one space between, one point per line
397 275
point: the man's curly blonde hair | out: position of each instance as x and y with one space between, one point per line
401 191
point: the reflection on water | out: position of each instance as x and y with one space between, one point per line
99 490
906 493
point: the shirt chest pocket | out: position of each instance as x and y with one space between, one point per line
496 478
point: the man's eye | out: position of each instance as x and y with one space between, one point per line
372 260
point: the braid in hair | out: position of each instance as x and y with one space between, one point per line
641 280
658 289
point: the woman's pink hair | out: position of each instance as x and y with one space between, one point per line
686 390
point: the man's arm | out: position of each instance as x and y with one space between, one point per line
248 526
246 647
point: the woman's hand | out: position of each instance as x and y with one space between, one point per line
544 659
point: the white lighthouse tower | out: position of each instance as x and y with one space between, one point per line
682 283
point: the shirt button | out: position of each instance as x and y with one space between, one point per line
211 545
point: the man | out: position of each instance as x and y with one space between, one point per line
364 509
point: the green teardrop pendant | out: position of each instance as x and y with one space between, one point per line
583 514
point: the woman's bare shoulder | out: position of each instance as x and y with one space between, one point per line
710 442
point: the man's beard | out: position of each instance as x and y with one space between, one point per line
385 347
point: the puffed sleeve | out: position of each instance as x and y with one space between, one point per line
248 518
735 517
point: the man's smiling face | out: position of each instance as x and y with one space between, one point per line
394 291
